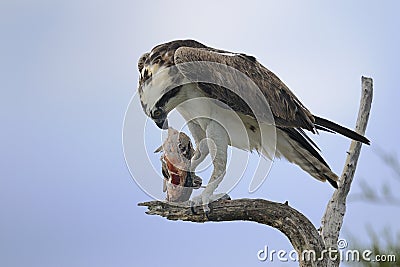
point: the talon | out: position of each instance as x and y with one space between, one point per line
207 213
197 181
193 211
192 208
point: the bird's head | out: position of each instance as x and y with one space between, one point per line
160 81
158 84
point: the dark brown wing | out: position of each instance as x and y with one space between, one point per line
285 107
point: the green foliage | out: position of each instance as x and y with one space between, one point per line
385 246
386 243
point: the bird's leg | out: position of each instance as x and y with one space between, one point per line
201 151
200 154
217 140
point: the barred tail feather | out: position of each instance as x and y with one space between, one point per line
295 146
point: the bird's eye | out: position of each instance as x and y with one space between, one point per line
157 113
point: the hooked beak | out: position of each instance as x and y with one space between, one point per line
162 123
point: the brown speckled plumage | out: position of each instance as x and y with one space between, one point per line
289 114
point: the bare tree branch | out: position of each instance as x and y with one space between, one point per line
293 224
333 218
299 230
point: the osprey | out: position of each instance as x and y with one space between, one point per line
169 81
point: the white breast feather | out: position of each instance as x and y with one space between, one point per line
201 110
155 89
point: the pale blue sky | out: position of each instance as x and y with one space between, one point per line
68 71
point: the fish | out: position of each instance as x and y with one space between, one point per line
179 180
